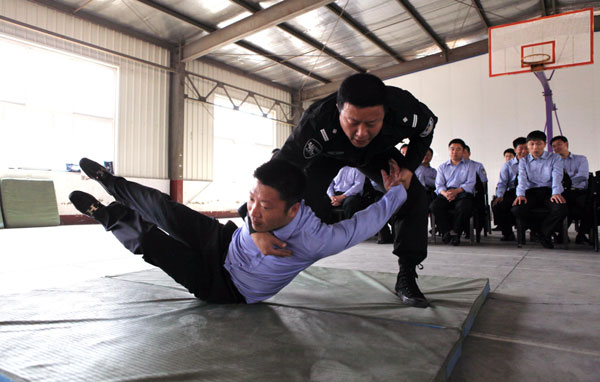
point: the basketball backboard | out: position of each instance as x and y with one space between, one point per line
551 42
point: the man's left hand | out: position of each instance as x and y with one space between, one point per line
558 198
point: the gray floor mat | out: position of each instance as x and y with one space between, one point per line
328 325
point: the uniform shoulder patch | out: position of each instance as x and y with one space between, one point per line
312 148
428 129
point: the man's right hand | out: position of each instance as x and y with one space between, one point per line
269 245
519 200
497 200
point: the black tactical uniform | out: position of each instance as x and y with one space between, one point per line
320 147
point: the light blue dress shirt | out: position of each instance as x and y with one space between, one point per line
508 177
426 176
349 181
545 171
578 169
450 176
258 277
480 170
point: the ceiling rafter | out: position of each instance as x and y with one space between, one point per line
363 31
303 37
479 8
416 16
243 44
259 21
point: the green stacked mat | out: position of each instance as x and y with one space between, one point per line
28 203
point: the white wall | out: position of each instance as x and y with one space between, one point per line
488 113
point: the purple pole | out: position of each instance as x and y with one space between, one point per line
549 105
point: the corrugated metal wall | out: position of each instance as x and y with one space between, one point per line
143 100
198 146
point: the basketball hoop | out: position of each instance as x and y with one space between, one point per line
535 61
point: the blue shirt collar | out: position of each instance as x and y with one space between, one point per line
544 156
285 232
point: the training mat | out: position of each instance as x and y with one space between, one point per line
144 326
28 203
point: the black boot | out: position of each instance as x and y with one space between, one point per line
97 172
85 203
407 288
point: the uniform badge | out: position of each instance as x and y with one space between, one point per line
312 148
427 129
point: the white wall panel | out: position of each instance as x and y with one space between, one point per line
143 99
488 113
198 153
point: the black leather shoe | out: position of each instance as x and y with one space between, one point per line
545 241
581 238
407 288
96 171
455 240
85 203
446 238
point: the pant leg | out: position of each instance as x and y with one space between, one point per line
439 208
556 214
505 219
351 205
200 272
463 209
153 206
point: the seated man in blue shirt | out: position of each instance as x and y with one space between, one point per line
346 190
540 185
577 168
220 263
506 190
427 174
455 185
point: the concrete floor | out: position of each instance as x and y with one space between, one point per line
541 321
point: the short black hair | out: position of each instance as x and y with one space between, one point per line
287 179
559 137
468 148
459 141
361 90
519 141
509 151
430 149
536 135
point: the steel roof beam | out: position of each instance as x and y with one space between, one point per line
259 21
363 31
416 16
303 37
457 54
243 44
479 8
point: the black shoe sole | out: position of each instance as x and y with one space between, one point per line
414 302
85 163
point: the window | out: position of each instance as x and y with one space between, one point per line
54 108
242 142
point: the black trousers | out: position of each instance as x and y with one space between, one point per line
409 222
579 208
504 217
463 208
540 198
189 246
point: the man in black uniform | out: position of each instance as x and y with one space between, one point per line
360 126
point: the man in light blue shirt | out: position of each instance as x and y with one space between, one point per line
540 185
455 185
506 190
427 174
346 190
220 263
577 168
